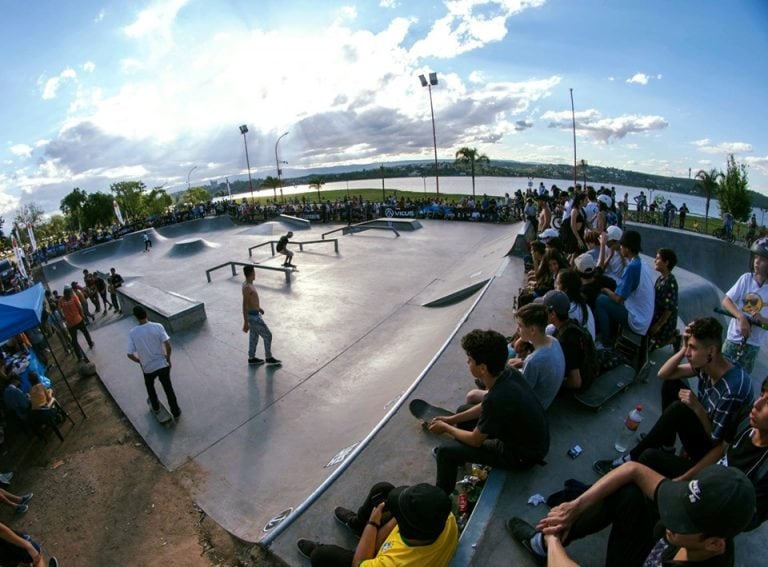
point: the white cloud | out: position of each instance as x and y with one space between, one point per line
21 150
89 66
155 20
590 123
705 145
100 16
469 24
52 85
638 79
388 3
758 162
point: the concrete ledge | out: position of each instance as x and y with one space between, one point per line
175 312
398 224
295 221
520 247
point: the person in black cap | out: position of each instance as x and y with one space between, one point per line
407 525
699 518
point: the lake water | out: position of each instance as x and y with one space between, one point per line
498 186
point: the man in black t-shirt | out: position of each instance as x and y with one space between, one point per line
509 429
592 278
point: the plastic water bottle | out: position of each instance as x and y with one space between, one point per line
629 429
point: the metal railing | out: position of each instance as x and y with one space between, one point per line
286 271
301 245
360 227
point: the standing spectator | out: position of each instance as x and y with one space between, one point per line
545 214
89 281
83 294
150 346
632 303
682 212
74 316
147 242
101 288
748 298
115 281
664 323
728 224
641 202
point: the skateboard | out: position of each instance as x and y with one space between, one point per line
606 386
426 412
163 416
751 320
292 267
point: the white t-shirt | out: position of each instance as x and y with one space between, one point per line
576 313
146 342
614 268
640 303
752 298
590 209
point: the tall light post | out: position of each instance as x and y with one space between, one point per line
429 84
277 164
244 131
188 174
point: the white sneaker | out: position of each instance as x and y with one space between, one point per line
5 478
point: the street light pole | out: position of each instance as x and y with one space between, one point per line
244 131
188 174
277 164
429 84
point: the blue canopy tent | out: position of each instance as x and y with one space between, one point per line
22 311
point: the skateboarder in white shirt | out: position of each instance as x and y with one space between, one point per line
150 346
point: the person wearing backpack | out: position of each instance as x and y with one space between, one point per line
577 344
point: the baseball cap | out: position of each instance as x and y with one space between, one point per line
420 510
549 233
556 301
614 233
585 263
719 502
605 199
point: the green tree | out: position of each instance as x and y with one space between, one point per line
29 214
157 201
732 190
196 195
707 182
72 205
273 183
317 183
130 195
54 227
98 210
470 157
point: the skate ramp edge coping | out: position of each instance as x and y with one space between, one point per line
174 311
312 498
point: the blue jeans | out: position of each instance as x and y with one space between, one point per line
608 316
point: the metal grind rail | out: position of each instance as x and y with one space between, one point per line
301 245
232 265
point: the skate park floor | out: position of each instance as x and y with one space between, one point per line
353 335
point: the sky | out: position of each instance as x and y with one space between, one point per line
97 92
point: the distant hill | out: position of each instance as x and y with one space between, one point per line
596 175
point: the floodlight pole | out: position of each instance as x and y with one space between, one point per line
429 84
244 131
277 164
188 174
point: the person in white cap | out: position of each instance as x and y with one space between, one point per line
611 260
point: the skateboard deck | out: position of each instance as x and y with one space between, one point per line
163 416
426 412
751 319
606 386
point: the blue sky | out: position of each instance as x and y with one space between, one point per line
99 92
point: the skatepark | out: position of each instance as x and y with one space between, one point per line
360 331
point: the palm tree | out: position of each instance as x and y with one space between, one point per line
272 182
470 156
317 183
707 181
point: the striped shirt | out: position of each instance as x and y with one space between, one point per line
723 399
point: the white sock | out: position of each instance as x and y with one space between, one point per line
537 544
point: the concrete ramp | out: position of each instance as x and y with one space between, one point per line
295 222
467 275
197 226
190 247
60 269
134 242
96 253
258 229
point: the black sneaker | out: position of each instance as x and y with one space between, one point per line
255 361
306 547
272 361
603 466
53 562
522 532
346 518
